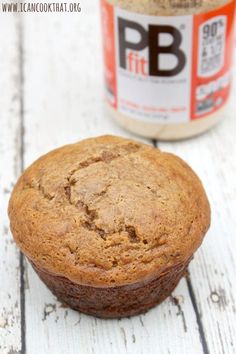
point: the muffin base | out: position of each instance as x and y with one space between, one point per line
113 302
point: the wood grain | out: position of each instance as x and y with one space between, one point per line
10 166
213 273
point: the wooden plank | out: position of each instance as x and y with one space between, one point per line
63 65
10 165
213 273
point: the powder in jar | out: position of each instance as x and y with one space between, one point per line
168 64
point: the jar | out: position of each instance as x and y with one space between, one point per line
168 64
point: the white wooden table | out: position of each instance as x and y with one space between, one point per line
51 94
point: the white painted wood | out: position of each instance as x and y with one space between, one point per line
63 87
213 273
10 331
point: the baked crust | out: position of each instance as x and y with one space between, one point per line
108 212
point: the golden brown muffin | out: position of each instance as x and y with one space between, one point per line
109 224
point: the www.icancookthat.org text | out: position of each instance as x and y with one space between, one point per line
40 7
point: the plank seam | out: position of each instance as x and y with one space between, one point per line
198 316
21 93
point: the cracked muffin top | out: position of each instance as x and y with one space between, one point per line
108 211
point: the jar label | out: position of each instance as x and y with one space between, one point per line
167 69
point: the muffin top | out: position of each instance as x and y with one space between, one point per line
108 211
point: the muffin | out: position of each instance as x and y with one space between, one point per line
109 224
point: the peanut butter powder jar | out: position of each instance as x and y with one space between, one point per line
168 64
